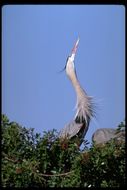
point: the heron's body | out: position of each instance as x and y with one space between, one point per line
79 126
103 135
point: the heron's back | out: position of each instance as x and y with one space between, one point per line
74 129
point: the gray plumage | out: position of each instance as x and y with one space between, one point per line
84 107
103 135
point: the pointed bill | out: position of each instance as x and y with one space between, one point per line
75 49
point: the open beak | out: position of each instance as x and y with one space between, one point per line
74 50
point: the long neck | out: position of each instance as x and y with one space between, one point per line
76 84
84 104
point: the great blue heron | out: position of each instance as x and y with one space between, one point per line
104 135
85 107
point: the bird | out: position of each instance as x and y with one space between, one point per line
104 135
85 108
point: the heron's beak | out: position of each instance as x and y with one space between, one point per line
72 54
74 50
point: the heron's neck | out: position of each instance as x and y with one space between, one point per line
76 84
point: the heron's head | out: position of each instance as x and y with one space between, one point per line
70 60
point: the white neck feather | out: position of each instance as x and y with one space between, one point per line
84 102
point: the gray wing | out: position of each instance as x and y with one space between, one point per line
70 130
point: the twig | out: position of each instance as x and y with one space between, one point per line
42 174
9 159
63 174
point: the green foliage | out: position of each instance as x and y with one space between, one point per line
29 160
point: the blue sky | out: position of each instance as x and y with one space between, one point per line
36 41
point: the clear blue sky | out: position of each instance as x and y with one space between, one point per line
36 40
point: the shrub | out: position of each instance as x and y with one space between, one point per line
32 160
